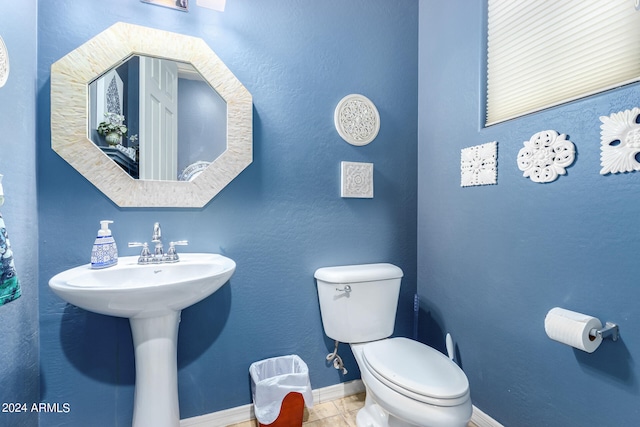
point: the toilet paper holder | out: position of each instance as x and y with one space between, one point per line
610 330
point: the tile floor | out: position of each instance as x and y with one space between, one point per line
336 413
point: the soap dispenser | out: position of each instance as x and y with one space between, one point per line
105 252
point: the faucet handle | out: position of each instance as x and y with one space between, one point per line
145 255
172 255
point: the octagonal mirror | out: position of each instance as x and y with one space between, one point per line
182 121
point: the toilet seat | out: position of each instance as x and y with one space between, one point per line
416 371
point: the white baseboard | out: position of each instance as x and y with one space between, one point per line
338 391
481 419
326 394
245 412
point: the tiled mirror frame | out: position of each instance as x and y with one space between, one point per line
70 77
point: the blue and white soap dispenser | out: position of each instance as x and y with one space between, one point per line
105 252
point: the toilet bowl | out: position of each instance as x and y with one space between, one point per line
413 384
407 383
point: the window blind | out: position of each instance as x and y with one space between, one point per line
542 53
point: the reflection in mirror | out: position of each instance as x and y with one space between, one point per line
158 119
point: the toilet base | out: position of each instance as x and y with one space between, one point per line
375 414
372 415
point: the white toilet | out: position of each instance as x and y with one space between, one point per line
407 383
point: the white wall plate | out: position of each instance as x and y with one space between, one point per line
479 165
357 180
545 156
357 119
620 142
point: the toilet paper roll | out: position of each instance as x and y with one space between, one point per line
571 328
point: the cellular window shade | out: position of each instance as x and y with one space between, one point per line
541 53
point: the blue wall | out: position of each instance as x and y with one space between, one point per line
19 370
493 260
279 220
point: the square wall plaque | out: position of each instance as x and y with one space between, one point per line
479 165
357 180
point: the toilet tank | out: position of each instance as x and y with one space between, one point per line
358 303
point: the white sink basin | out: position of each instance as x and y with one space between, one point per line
151 296
131 290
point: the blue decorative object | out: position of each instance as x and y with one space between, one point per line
9 284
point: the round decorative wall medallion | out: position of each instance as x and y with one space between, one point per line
4 63
546 156
357 119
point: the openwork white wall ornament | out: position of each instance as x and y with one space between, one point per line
4 63
620 142
357 180
479 165
545 156
357 119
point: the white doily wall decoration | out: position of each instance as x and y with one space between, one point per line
357 119
479 165
357 180
545 156
620 142
4 63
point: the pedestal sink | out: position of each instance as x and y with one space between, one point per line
152 297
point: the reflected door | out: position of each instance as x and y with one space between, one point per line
158 119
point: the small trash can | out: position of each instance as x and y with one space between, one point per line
280 387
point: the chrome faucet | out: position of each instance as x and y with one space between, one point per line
157 239
157 232
158 256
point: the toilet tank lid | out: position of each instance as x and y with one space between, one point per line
358 273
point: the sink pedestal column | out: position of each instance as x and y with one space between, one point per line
156 391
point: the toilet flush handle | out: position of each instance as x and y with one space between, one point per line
346 288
